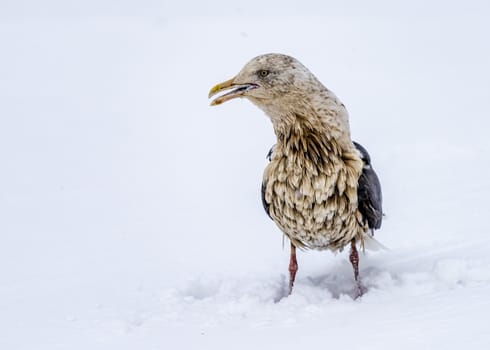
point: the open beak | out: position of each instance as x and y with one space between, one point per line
238 90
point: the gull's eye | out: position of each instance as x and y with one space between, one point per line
263 73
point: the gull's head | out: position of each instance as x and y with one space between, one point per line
264 79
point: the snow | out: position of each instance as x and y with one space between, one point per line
130 214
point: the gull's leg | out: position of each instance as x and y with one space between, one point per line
293 267
354 260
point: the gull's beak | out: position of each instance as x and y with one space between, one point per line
239 90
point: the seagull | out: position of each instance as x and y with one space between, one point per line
319 186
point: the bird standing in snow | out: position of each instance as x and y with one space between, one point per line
319 186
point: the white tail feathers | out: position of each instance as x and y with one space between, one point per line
371 243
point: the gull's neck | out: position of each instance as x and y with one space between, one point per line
319 115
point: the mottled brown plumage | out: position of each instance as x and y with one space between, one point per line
311 185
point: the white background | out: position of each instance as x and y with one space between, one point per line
130 213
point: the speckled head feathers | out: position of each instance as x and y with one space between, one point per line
275 75
265 78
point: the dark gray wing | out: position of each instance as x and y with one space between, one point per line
369 192
262 191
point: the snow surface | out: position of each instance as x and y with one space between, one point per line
130 215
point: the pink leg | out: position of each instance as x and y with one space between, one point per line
354 259
293 267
